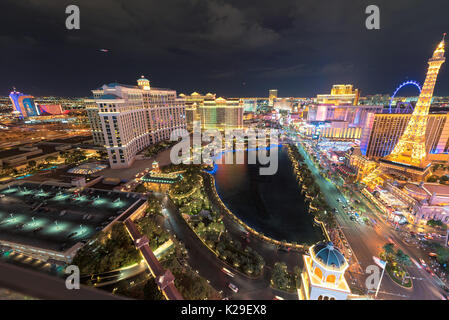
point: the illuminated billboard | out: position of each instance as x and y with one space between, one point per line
24 104
51 109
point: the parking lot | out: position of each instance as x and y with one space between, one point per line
56 218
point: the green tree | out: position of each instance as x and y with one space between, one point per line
107 251
50 159
151 291
297 271
154 205
388 248
32 163
435 223
402 258
280 277
442 254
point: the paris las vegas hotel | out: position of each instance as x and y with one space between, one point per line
126 119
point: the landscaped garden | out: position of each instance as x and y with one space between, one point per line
397 261
317 204
154 149
195 207
107 251
282 279
114 249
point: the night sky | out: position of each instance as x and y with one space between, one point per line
234 48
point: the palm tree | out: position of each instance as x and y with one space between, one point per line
388 250
402 258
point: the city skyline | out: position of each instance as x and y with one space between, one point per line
224 47
193 150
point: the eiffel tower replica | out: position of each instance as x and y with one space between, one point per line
408 157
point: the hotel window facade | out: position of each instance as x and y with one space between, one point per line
221 114
384 130
127 119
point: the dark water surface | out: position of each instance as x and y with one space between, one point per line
272 204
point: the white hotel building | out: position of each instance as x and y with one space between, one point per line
126 119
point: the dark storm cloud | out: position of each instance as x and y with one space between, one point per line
299 47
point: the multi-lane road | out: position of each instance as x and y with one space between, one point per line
40 285
114 276
367 241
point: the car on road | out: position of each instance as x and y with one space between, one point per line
229 273
233 287
429 271
423 263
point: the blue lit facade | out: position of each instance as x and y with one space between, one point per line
24 104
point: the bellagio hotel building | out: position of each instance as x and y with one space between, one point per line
126 119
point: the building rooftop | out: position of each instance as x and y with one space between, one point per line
415 191
329 255
341 285
109 97
162 178
11 152
56 218
438 189
426 190
88 168
115 84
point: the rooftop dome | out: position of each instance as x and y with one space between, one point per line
329 255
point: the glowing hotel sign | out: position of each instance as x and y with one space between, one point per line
24 104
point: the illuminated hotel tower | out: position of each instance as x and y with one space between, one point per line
126 119
410 149
408 157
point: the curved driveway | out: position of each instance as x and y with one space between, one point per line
209 266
